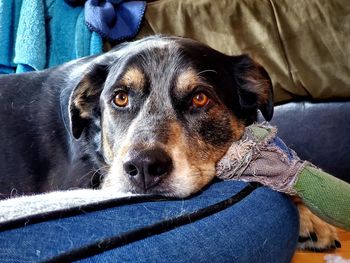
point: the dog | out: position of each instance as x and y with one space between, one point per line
152 116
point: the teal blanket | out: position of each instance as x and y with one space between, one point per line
42 33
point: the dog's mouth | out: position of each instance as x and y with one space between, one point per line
156 189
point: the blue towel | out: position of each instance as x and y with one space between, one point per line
70 38
30 44
9 16
43 33
114 19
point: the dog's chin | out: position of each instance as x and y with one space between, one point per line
163 189
159 192
167 191
167 188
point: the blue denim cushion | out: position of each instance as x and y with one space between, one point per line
263 226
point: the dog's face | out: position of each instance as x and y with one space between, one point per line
168 109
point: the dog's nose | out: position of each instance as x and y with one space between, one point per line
147 168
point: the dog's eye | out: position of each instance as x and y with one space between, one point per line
200 100
121 99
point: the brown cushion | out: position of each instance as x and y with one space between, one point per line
304 45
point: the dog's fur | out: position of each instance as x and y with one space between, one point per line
61 128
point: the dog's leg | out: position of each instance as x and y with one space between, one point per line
315 234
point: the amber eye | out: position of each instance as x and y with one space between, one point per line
121 99
200 100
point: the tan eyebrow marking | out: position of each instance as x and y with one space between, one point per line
188 80
133 77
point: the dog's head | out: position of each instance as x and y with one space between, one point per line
168 109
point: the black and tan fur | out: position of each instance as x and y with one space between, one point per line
63 129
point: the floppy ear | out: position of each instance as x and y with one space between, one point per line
84 99
254 86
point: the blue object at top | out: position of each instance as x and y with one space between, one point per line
114 19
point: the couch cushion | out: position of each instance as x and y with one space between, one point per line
318 132
303 45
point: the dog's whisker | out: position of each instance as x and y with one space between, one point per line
101 169
93 171
100 178
207 70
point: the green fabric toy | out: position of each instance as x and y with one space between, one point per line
261 156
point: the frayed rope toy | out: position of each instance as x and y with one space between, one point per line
261 156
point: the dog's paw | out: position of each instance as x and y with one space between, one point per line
315 234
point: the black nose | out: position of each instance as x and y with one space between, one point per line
146 168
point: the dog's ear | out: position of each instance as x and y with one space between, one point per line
84 99
254 86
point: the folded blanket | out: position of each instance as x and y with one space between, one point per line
38 34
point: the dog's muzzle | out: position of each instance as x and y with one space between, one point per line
146 168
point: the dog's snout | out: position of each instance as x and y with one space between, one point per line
147 168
